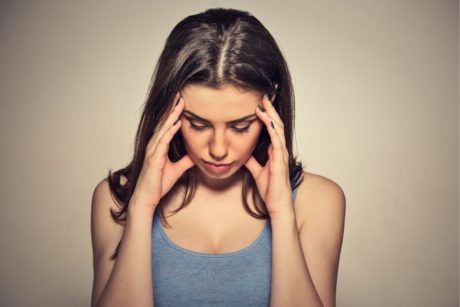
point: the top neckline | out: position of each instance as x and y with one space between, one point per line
260 237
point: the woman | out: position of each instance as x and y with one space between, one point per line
213 209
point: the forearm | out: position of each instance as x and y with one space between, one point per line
291 283
130 283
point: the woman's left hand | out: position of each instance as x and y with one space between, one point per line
272 179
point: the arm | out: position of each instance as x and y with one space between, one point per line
127 280
305 262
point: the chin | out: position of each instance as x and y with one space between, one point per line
234 168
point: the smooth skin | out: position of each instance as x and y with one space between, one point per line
305 261
311 231
127 281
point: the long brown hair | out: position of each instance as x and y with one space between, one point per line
213 48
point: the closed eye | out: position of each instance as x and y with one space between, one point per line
194 126
235 129
242 129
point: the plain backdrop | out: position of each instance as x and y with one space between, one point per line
376 86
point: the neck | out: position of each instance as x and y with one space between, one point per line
218 186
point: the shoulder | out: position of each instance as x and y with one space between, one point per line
318 198
320 213
106 234
102 196
102 199
105 231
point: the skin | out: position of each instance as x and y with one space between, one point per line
219 142
307 274
306 238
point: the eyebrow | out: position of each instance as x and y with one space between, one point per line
235 121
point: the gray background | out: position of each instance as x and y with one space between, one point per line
376 86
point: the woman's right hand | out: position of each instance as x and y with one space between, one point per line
158 173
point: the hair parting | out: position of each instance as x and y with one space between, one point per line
213 48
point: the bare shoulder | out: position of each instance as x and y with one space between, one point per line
105 232
320 214
105 236
320 198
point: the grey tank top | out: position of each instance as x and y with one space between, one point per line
183 277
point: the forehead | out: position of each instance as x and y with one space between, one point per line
223 104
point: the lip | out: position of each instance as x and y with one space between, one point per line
217 168
215 164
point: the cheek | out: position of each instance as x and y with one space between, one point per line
251 140
191 141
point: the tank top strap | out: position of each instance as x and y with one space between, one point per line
294 194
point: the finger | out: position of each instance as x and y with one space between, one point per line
175 170
164 120
162 146
183 164
271 111
273 114
172 117
159 129
167 120
163 126
277 138
253 166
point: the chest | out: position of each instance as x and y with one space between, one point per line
213 229
189 277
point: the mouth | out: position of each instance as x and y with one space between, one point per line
218 168
216 164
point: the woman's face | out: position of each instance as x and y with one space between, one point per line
220 126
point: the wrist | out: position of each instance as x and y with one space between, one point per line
144 198
139 219
283 217
139 205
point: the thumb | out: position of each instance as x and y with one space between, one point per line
253 166
184 164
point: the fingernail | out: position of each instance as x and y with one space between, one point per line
261 108
273 126
176 122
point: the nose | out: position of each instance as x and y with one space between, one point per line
218 147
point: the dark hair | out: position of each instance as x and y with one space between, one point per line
214 48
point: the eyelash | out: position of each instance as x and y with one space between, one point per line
236 130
